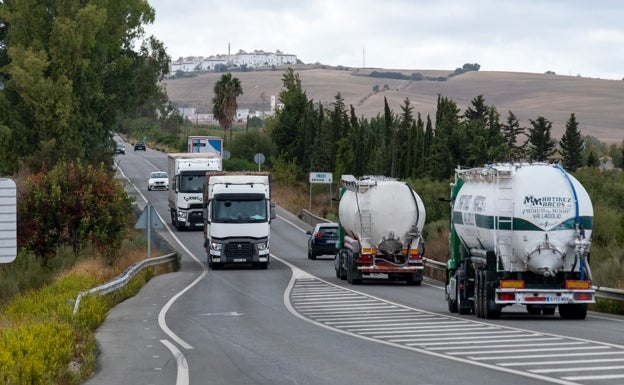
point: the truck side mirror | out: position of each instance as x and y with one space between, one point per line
206 214
273 215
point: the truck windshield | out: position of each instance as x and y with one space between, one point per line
190 183
239 210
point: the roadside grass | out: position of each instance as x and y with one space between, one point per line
41 340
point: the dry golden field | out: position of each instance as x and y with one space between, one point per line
598 104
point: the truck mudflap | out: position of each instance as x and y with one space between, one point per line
544 296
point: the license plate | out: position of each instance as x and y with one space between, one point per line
240 260
546 299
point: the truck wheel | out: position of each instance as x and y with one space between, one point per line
339 265
461 307
413 279
352 273
452 305
490 309
478 300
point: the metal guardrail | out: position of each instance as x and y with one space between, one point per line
125 277
437 270
608 293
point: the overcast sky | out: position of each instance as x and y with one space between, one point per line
569 37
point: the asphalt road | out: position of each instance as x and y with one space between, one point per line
296 323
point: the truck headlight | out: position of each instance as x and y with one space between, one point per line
262 245
215 246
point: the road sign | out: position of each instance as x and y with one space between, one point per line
148 219
8 221
259 159
150 216
321 177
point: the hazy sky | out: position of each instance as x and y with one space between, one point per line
569 37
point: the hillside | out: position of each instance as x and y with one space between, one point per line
598 104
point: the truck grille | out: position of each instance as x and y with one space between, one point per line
196 217
239 250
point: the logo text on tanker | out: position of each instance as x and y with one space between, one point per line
550 207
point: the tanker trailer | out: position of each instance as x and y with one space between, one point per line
520 235
381 222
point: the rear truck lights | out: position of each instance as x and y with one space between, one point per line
414 254
506 296
365 258
583 296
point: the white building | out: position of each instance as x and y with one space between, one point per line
242 58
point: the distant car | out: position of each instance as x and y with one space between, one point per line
121 149
158 180
322 240
139 146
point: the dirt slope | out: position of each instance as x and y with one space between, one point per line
597 104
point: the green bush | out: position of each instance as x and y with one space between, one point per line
73 205
237 164
283 171
430 192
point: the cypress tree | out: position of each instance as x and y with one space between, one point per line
541 145
572 145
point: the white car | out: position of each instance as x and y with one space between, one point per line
158 180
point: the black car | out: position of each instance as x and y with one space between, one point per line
322 240
121 149
139 146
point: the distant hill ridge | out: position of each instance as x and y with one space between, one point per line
596 103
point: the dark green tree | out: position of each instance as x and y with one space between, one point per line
497 145
224 103
572 145
541 145
592 160
390 138
292 121
447 147
70 71
511 131
474 125
405 141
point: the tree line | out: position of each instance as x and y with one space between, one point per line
72 72
408 145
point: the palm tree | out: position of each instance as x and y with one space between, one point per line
224 103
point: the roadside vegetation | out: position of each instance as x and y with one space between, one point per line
71 76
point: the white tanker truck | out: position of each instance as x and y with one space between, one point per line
520 235
381 220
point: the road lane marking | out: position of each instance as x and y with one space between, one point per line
319 302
